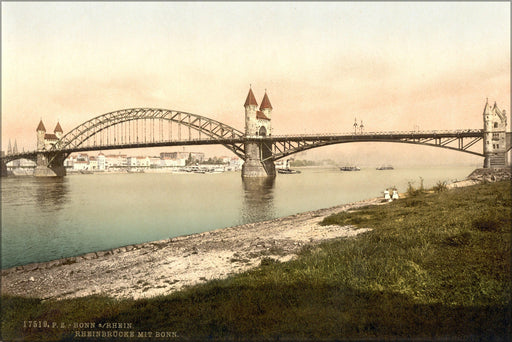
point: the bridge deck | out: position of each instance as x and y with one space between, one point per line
442 137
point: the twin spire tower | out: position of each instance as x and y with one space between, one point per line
258 124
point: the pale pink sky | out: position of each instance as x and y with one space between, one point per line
393 65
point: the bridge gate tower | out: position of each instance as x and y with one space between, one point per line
258 161
495 146
48 165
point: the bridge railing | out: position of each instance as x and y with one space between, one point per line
382 133
240 140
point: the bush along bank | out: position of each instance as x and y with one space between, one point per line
436 265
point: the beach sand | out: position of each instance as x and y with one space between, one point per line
162 267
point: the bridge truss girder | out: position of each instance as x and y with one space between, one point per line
283 146
234 144
214 131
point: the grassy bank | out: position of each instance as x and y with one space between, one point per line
434 266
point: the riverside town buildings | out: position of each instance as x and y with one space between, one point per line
85 162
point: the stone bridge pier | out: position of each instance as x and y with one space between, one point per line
256 163
3 167
50 165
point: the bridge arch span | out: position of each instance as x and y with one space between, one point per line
18 156
202 125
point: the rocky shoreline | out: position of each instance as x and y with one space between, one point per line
162 267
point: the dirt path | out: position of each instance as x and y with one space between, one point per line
161 267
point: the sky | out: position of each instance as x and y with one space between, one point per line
393 65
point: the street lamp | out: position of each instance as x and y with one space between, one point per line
355 125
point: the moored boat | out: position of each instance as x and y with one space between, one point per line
287 171
349 168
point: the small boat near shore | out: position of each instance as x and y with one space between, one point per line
135 170
386 167
287 171
349 168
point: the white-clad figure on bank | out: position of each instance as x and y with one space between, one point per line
395 195
386 195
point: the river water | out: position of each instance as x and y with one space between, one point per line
49 218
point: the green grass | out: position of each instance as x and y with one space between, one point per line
435 265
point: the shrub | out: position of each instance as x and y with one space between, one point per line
267 261
412 191
440 187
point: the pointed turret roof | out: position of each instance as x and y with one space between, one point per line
265 103
58 129
261 116
40 127
251 100
499 112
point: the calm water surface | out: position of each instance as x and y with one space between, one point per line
46 219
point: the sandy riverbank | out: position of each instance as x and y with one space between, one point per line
161 267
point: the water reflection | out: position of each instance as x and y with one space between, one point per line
258 199
51 192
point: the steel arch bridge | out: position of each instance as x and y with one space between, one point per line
153 127
148 127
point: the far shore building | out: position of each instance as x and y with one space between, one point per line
80 166
143 162
225 160
154 162
101 162
131 161
174 155
116 160
235 164
21 163
93 163
171 162
82 158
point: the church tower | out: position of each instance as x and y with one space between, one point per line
495 124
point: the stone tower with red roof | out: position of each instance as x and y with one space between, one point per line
495 146
258 124
45 141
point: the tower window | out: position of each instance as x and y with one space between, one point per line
495 125
495 136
